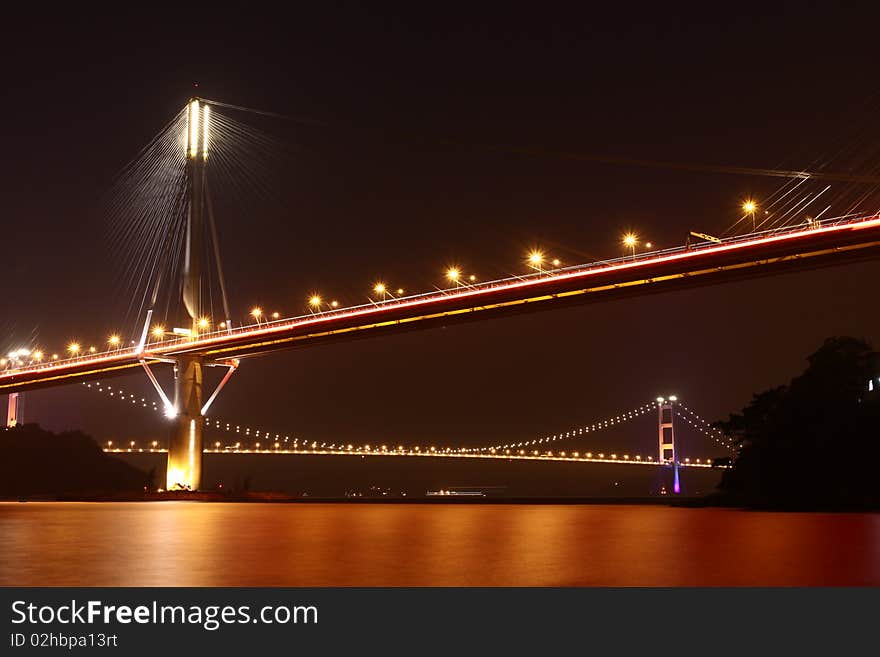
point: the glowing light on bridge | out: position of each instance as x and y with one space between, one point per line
315 301
535 259
750 208
193 128
114 340
73 348
630 241
453 274
207 112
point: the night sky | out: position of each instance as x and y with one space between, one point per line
397 183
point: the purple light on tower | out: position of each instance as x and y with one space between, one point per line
676 485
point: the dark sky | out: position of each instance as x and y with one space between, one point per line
377 193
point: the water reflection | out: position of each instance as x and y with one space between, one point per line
195 544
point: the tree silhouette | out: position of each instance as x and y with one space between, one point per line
812 443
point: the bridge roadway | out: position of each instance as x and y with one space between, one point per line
505 455
831 243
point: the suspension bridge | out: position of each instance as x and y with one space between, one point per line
189 263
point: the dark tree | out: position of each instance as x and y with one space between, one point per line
37 462
813 443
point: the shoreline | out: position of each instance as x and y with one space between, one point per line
707 502
281 498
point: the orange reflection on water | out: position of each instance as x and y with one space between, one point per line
204 544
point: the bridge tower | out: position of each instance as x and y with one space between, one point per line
188 408
185 444
666 436
13 412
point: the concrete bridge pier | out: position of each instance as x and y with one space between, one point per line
184 469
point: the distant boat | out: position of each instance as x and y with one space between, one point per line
444 492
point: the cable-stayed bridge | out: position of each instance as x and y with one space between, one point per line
186 260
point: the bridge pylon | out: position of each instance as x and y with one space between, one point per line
184 469
13 410
666 436
185 443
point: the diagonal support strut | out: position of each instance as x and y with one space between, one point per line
232 365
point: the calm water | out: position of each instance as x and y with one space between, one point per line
198 544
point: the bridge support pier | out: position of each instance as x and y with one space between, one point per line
184 469
13 412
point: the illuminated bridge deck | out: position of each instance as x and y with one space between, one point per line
834 242
514 455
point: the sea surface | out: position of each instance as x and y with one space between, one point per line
217 544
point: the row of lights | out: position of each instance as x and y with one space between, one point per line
696 421
453 274
574 433
535 259
400 450
324 448
700 425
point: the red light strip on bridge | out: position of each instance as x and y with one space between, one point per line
583 272
534 280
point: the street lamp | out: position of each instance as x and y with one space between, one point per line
630 241
315 302
453 275
114 341
535 260
256 313
73 348
380 289
749 207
